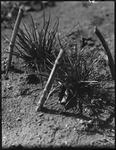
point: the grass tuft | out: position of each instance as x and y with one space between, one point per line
36 46
81 75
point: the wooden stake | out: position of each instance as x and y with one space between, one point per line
50 80
13 38
110 59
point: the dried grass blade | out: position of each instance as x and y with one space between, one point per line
16 27
33 29
45 32
29 34
24 37
111 62
50 80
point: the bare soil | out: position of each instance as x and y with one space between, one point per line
21 124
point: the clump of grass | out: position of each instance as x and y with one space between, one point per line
36 46
80 75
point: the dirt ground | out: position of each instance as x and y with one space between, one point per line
21 124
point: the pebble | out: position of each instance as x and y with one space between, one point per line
10 87
74 129
81 121
66 125
66 143
41 114
18 119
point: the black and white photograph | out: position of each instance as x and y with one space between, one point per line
57 74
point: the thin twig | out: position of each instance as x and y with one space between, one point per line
111 62
88 81
50 80
13 38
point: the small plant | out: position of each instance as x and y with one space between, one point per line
81 76
36 47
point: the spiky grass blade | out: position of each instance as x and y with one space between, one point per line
36 46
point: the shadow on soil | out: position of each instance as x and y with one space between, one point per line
67 114
101 124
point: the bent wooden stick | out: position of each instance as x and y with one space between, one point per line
50 80
111 62
13 38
